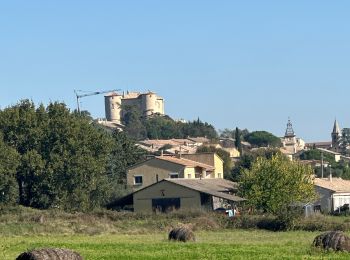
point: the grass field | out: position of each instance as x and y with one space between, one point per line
234 244
117 235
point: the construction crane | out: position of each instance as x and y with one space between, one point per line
79 96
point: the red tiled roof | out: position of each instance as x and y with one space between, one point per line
185 162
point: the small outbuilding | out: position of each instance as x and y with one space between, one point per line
334 193
188 194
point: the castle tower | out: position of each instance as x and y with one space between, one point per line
112 107
336 136
149 101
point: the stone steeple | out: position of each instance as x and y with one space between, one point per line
336 136
289 130
336 128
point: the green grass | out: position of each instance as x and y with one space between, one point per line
120 235
234 244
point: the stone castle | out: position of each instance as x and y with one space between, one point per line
148 103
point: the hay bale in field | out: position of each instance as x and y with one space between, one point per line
335 240
50 254
183 234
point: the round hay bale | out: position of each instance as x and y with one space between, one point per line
334 240
50 254
183 234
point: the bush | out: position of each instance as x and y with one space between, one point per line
322 223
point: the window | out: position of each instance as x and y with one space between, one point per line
174 175
138 180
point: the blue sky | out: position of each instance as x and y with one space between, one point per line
250 64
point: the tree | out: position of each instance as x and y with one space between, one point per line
124 154
238 142
9 160
197 128
263 139
345 141
159 127
248 158
274 185
134 123
63 156
227 133
225 156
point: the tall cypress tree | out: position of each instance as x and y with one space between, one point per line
238 141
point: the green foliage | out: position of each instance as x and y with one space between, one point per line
228 133
339 169
9 161
315 154
263 139
134 123
248 158
63 157
275 185
124 153
163 127
238 141
345 141
197 128
159 127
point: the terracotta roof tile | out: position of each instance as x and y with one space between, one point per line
185 162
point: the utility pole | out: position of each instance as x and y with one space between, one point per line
322 165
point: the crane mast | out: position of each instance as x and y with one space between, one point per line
79 96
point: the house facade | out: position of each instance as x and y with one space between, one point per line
186 194
211 159
333 193
162 167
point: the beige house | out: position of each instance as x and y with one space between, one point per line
333 193
198 166
211 159
186 194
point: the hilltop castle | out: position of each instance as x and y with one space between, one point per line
148 103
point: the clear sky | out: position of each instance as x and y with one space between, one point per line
250 64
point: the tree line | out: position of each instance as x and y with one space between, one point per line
163 127
54 158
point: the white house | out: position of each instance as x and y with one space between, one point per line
333 193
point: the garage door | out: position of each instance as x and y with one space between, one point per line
165 204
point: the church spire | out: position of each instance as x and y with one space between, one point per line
336 128
289 130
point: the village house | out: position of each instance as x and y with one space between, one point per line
183 194
196 166
186 194
173 146
334 193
